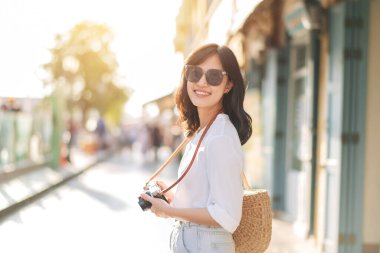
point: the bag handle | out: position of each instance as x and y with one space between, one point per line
245 181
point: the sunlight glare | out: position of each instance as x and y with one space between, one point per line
143 42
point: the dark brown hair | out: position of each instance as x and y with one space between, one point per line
232 101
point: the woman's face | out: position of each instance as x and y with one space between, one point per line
204 95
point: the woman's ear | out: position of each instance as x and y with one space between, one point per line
228 87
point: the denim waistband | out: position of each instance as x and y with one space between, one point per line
192 224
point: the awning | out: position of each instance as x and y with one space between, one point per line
244 8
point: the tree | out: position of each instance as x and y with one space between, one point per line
84 68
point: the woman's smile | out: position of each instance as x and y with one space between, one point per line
201 93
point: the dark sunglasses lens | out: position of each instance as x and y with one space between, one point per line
214 77
194 74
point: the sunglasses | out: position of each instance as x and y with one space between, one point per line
214 77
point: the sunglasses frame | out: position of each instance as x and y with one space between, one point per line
204 73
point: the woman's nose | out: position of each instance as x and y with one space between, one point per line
202 81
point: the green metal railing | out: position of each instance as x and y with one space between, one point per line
24 137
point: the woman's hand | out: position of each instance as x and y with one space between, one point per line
159 206
168 195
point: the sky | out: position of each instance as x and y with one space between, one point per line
143 43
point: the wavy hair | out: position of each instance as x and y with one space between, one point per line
232 101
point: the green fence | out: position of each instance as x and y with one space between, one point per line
25 137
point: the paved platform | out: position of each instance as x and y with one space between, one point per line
284 240
18 191
97 212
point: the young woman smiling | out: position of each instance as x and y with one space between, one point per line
207 204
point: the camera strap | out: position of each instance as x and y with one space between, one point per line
179 148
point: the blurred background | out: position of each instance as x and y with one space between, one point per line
88 86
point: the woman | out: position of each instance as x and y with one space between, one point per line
207 204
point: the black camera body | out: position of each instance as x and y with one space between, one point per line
154 191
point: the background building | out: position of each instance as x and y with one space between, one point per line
310 70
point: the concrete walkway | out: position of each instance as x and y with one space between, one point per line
21 190
25 189
284 240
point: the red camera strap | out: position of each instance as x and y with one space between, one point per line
179 148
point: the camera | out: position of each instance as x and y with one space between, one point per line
154 191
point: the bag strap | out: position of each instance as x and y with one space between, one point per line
184 142
245 181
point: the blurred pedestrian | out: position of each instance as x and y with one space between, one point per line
207 205
156 138
101 132
144 140
72 142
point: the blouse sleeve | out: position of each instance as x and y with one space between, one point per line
224 160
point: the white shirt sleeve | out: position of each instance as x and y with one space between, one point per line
224 161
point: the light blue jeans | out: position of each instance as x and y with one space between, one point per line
189 237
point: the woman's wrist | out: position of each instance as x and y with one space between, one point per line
170 211
196 215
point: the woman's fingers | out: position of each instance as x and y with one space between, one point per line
146 197
154 201
169 195
158 205
161 184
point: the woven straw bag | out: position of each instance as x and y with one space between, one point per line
254 232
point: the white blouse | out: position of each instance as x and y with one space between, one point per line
214 180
